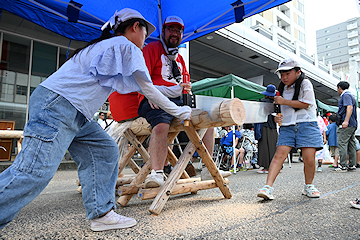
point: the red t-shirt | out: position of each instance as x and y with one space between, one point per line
159 65
125 106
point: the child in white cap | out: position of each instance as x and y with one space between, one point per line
60 119
299 127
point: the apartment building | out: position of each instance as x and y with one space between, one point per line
338 45
284 24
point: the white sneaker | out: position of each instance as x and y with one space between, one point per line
111 220
154 180
205 174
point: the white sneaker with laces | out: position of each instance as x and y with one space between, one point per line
205 174
154 180
111 220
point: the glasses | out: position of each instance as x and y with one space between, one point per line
175 30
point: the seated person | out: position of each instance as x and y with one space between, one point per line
227 143
167 69
248 143
124 107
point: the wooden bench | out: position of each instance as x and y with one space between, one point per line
13 134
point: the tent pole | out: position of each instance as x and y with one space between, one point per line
234 157
160 18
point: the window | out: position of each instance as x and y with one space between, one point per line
327 46
327 39
302 37
327 31
301 22
14 65
300 7
328 54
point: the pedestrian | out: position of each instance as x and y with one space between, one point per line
60 118
266 134
108 121
167 69
101 118
347 124
298 129
320 155
332 140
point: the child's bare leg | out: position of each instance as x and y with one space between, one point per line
309 164
276 163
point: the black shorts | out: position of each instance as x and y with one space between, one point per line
156 116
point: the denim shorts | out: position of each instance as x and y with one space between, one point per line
156 116
303 134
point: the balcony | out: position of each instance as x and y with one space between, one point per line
353 42
355 58
353 34
352 26
354 51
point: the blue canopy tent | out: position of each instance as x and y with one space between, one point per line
81 19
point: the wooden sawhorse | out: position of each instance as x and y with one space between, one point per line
231 112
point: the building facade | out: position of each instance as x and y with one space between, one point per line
29 54
284 24
338 45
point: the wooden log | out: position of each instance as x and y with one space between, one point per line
229 112
160 200
145 194
11 134
207 160
124 180
128 189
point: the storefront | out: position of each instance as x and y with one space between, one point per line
29 54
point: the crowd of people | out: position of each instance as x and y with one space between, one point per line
149 82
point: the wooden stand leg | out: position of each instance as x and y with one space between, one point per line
144 171
165 191
126 158
206 158
140 177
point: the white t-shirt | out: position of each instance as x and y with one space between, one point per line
114 64
306 95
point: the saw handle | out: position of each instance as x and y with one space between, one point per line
277 109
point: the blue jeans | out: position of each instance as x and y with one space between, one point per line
55 126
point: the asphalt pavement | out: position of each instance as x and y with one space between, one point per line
58 213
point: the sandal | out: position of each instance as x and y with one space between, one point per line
266 192
311 191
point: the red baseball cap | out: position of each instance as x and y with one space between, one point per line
170 20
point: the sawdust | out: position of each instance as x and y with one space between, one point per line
190 217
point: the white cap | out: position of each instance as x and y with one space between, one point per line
170 20
124 15
287 64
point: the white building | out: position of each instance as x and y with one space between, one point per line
338 45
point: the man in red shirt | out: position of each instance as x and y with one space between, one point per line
166 68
